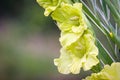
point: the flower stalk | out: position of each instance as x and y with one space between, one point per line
79 23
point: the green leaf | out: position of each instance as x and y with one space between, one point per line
104 55
94 19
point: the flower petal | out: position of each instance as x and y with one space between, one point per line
63 62
49 5
67 38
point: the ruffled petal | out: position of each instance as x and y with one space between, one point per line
49 5
67 38
63 62
68 63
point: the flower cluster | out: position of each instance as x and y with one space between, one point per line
77 40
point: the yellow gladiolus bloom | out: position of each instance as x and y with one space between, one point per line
108 73
81 54
70 18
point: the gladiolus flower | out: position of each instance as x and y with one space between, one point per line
108 73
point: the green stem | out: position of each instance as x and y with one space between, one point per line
115 13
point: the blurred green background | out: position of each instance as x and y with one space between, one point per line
29 42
